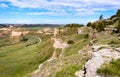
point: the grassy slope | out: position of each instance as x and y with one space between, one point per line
108 39
7 41
70 62
79 42
76 61
63 67
19 60
110 70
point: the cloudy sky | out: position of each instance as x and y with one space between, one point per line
56 11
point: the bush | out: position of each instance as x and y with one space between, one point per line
70 42
112 17
23 38
109 22
74 25
86 36
100 26
118 12
89 24
113 42
118 26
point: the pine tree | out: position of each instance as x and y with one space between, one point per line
101 17
118 13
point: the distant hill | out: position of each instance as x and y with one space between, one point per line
31 25
73 25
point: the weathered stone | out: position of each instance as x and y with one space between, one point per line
99 57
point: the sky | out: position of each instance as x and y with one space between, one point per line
55 11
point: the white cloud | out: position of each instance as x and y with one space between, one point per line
3 5
77 7
45 13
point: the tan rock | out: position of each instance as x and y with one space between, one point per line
15 34
80 73
99 57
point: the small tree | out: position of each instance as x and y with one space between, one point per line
94 25
70 42
118 12
100 26
89 24
118 26
101 17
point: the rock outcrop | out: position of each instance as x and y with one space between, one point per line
99 57
58 43
15 34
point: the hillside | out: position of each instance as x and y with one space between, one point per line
80 54
74 50
102 24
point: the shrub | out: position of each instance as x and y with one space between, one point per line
23 38
112 17
70 42
89 24
100 26
114 42
74 25
118 12
103 47
118 26
86 36
109 22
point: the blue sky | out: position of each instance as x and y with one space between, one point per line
56 11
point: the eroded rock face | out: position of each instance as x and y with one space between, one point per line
80 73
85 30
59 44
99 57
56 31
15 34
25 32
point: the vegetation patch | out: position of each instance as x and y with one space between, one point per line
70 42
68 71
110 70
64 66
18 60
